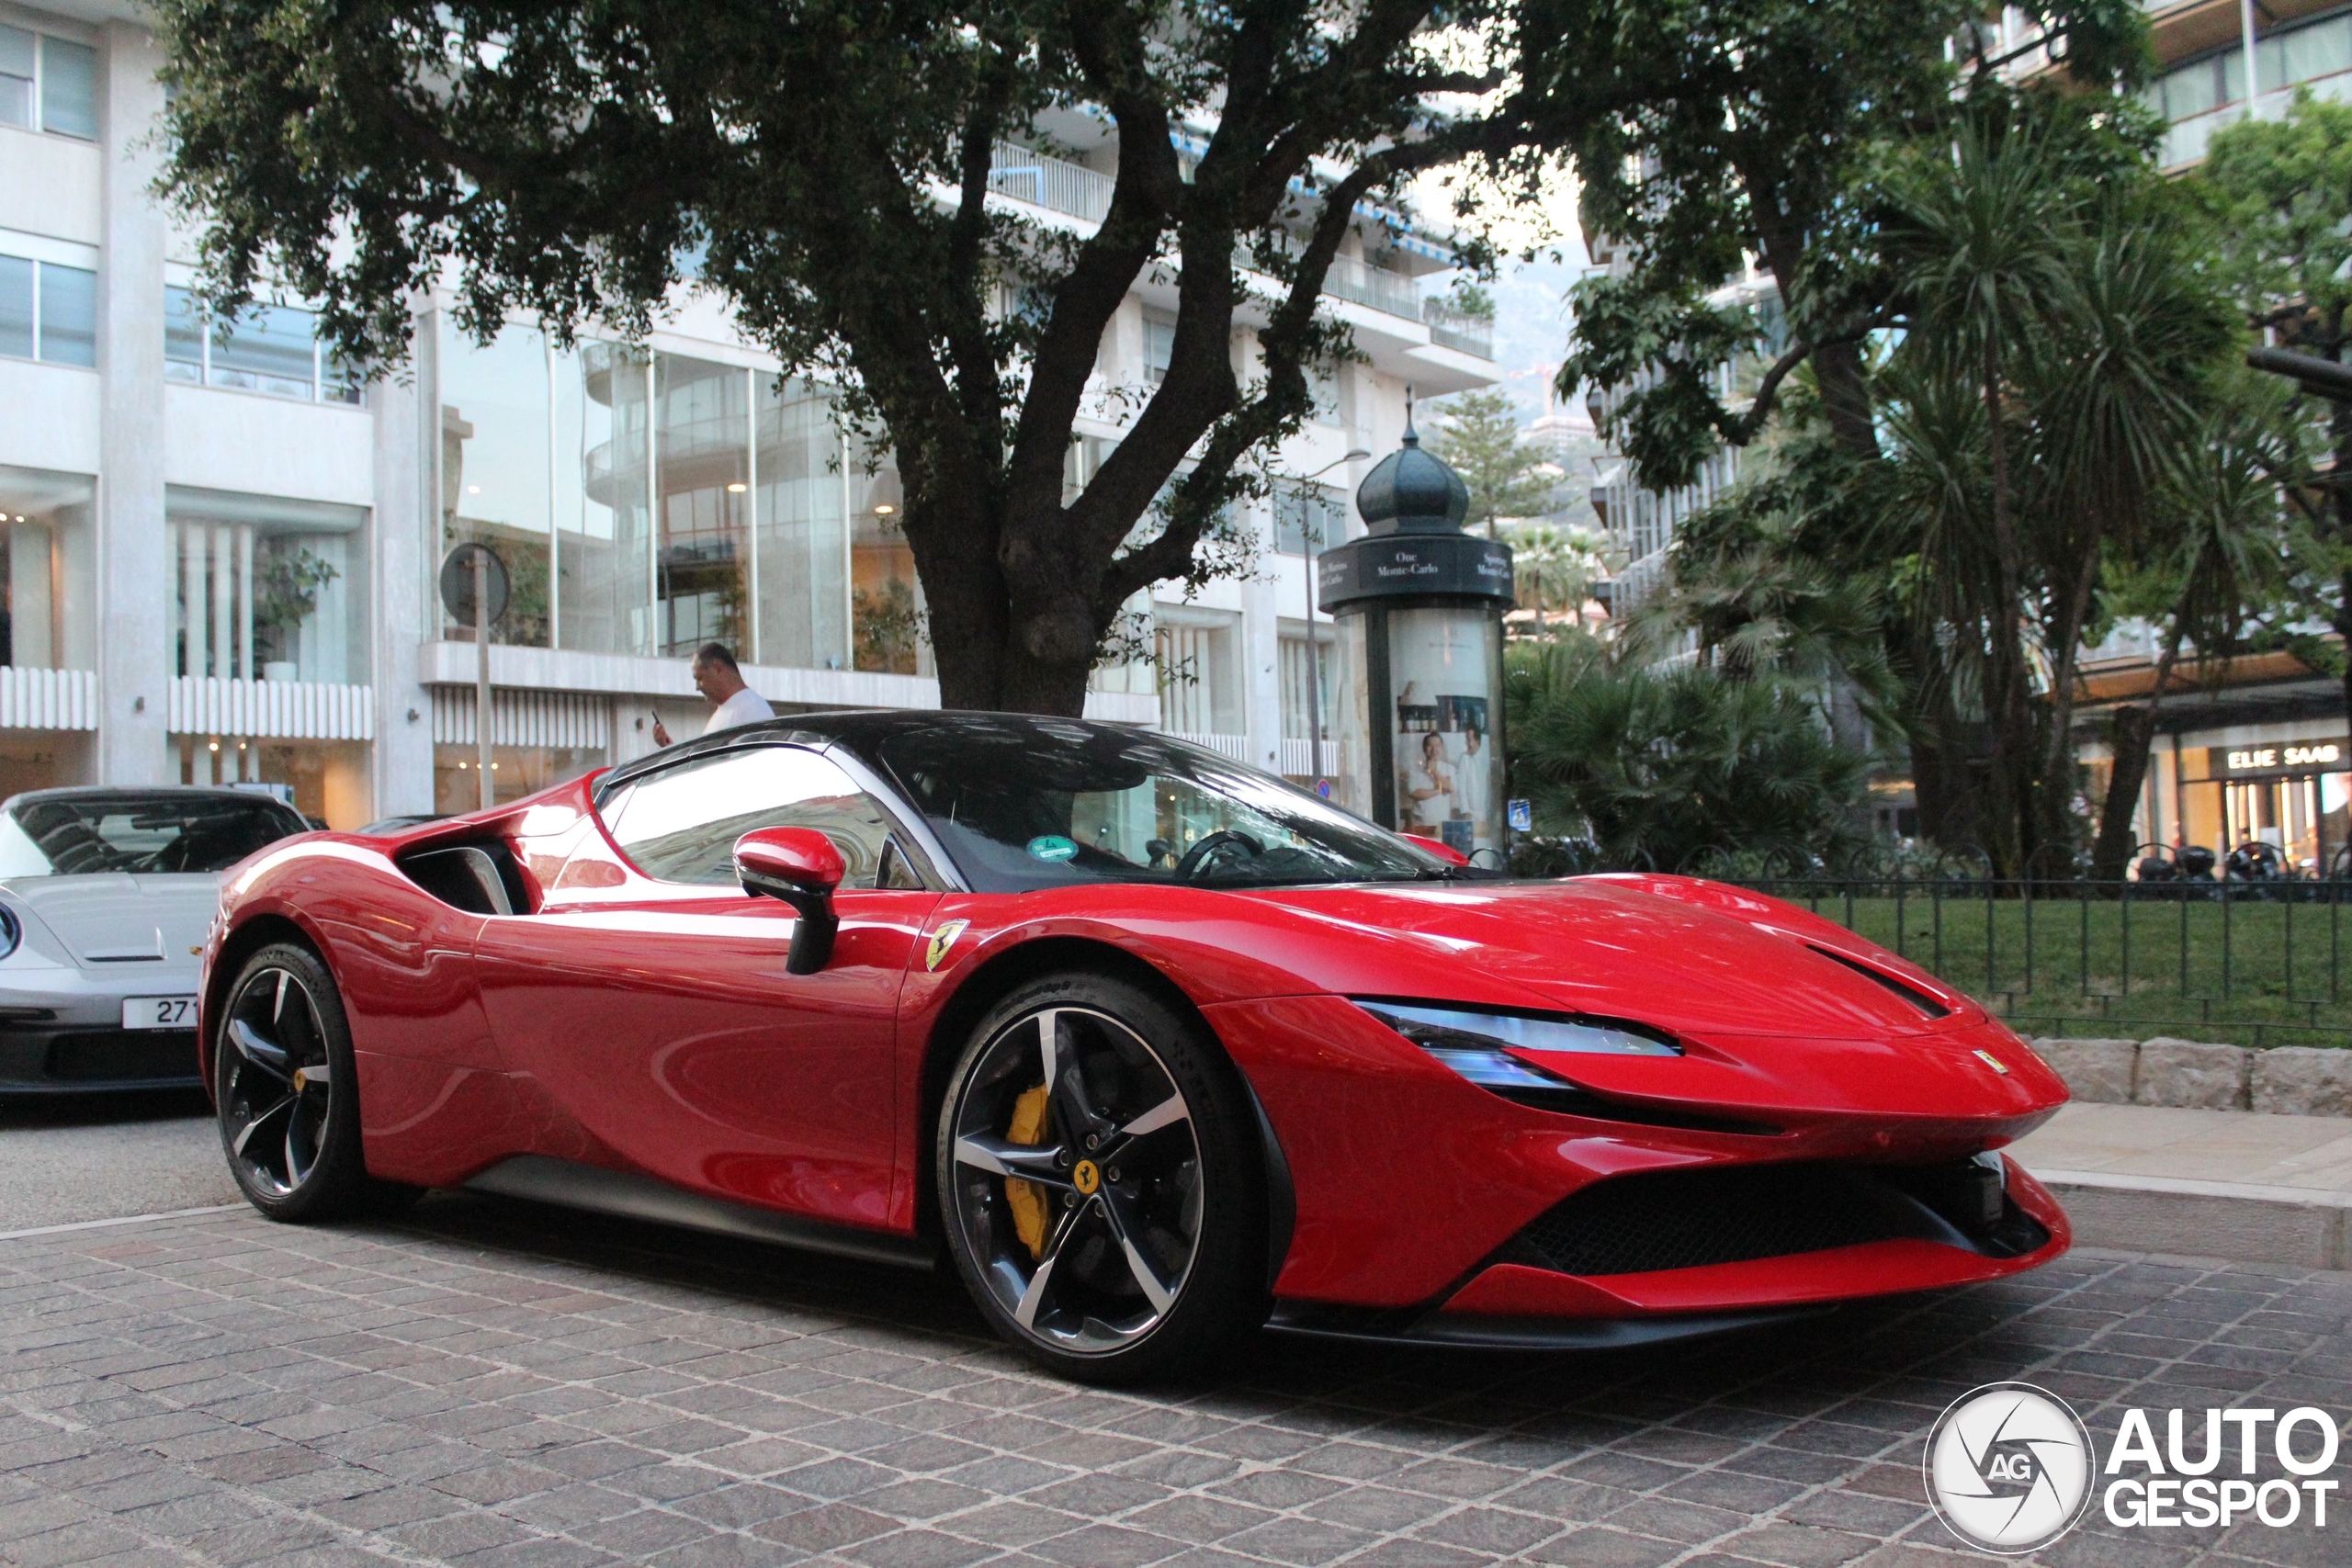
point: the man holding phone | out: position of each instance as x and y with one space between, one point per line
720 681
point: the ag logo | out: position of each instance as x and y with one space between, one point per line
940 940
2008 1468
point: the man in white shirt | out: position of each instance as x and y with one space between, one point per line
720 681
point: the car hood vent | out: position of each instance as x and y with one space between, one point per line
1918 998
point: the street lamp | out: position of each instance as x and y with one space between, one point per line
1306 541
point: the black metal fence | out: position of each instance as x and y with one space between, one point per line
2258 963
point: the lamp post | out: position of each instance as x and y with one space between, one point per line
1307 542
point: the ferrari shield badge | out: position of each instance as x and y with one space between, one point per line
940 940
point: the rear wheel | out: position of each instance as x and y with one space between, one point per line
1099 1182
284 1080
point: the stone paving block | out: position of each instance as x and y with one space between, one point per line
2198 1076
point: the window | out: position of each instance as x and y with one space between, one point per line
681 824
48 571
1310 517
68 88
15 77
48 311
271 349
265 588
111 833
1323 392
1159 346
55 75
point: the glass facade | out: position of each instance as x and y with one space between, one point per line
2201 95
48 571
647 503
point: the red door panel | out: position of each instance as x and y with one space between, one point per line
660 1020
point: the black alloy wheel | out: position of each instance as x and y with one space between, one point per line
1100 1182
283 1079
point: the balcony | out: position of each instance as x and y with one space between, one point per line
1057 185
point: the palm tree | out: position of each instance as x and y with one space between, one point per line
1976 230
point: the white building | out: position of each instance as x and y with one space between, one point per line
221 552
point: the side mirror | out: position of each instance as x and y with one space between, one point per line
1437 847
800 866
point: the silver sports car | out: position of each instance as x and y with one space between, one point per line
105 898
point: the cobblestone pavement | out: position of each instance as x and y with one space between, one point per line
495 1384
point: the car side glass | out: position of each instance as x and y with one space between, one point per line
680 825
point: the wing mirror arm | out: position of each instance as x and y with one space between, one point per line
801 867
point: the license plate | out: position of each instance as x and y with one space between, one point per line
159 1012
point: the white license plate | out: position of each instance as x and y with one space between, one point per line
159 1012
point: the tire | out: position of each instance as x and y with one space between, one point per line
1127 1257
291 1133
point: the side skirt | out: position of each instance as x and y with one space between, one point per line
540 1179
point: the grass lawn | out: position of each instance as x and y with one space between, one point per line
2248 972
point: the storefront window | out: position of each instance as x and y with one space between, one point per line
47 572
885 602
269 588
702 559
603 500
515 771
495 464
326 780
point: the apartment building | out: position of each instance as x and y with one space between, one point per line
221 546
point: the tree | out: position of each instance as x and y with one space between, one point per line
2224 560
1556 568
1673 769
829 167
2280 195
1757 130
1506 477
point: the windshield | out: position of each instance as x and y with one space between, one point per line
73 836
1035 803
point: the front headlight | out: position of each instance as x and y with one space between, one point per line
1459 1032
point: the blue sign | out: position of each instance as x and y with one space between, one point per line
1323 788
1521 816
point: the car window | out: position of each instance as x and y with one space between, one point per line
73 836
681 825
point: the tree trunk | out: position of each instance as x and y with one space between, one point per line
2131 732
2010 826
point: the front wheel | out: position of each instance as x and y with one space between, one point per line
285 1082
1099 1182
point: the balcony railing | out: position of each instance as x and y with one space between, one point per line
1078 192
1052 182
33 698
1391 293
1450 328
291 710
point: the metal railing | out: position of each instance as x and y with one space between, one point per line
2257 961
1450 328
1390 293
1055 184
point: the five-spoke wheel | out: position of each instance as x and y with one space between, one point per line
1092 1172
289 1118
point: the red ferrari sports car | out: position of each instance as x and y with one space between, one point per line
1155 1047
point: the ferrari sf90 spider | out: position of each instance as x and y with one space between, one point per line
1152 1048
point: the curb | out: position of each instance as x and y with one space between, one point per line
2299 1226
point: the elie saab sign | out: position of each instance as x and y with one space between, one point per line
2282 759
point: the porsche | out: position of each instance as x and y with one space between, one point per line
1151 1048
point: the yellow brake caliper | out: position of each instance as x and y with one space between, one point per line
1026 1198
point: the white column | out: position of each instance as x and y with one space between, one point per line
1260 651
247 666
133 652
398 535
196 621
2246 40
224 594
